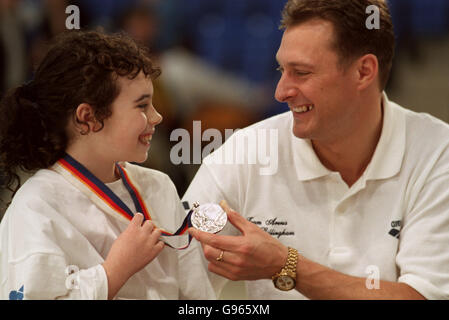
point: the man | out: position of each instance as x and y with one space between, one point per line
359 205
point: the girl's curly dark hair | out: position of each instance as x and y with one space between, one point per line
80 67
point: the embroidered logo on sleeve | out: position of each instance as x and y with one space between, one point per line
16 295
396 228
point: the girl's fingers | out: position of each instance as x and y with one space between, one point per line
159 246
148 226
137 219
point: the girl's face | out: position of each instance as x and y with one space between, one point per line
128 131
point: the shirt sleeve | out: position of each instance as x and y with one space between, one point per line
215 182
205 189
423 256
192 275
40 249
46 276
225 175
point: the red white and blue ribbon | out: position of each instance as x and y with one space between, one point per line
102 196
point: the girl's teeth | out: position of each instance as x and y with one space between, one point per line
146 139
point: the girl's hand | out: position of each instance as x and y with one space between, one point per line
137 246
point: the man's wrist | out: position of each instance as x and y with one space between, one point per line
279 262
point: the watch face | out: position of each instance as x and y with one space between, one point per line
209 217
285 283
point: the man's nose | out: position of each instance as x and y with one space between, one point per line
285 89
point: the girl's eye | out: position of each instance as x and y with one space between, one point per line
142 106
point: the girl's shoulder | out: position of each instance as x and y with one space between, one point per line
34 215
41 195
43 183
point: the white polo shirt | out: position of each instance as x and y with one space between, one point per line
393 222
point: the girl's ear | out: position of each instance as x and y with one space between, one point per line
85 118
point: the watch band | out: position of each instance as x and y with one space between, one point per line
286 278
292 260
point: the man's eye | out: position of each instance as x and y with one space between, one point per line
301 73
281 70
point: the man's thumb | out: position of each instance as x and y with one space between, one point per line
234 218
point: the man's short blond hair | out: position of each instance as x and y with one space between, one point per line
352 37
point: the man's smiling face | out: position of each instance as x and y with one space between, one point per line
314 84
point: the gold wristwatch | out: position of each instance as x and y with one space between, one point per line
285 279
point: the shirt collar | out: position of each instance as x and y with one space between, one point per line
385 163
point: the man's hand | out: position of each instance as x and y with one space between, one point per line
251 256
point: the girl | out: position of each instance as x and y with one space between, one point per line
66 233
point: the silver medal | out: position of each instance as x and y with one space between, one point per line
208 217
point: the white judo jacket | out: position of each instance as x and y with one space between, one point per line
53 240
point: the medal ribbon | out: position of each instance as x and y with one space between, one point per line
107 200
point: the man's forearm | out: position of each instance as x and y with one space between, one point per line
319 282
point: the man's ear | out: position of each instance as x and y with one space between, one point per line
367 71
85 120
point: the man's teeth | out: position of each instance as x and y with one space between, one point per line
303 108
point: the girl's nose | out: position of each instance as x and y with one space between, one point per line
155 117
